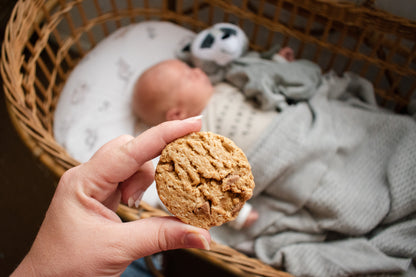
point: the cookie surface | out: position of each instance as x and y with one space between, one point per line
204 179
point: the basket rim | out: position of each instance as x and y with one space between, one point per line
12 80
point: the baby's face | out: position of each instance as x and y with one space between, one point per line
192 87
171 90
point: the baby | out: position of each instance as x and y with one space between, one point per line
172 90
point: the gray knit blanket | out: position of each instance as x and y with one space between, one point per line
274 85
335 186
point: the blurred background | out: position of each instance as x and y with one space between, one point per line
27 186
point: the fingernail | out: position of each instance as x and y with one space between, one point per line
196 240
135 199
194 118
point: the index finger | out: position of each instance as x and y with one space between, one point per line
114 164
149 145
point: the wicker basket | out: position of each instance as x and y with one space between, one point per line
44 41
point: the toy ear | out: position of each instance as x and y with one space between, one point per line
183 51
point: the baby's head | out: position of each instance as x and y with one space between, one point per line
170 90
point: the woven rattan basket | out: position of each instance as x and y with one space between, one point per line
44 41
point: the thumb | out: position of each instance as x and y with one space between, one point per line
151 235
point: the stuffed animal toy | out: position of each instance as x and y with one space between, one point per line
214 48
222 43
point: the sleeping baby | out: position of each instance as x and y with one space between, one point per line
172 90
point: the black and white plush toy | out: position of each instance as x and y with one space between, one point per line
214 48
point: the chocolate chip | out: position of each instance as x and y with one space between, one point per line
203 209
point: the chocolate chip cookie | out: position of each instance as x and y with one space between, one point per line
204 179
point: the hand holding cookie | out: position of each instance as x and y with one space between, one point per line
82 219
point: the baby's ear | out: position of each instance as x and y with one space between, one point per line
175 113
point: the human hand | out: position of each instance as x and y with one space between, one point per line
287 53
246 217
252 217
81 233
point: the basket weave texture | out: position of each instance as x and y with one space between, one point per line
45 40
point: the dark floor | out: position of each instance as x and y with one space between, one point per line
27 188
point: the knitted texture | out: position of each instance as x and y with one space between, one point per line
230 114
335 186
